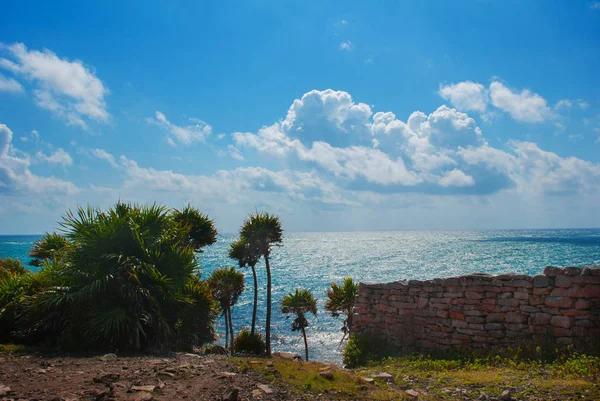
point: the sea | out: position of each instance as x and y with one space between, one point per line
314 260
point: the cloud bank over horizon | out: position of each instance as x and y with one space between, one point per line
331 162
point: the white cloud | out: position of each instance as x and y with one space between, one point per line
567 104
17 179
456 178
522 106
69 89
5 138
347 46
197 131
104 155
9 85
466 95
57 157
235 153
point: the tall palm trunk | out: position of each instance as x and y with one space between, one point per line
226 329
268 323
305 343
232 342
254 308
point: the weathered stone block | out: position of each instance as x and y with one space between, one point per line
540 281
540 319
475 312
592 291
521 295
515 317
519 283
496 318
583 323
552 271
456 315
475 319
459 323
562 281
508 302
474 295
572 271
582 304
561 321
559 302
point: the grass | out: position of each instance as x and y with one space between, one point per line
437 379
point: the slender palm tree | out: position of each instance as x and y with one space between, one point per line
300 304
227 284
262 231
341 300
241 251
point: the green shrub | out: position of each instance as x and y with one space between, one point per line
248 343
128 281
359 350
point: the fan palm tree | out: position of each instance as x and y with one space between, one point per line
300 304
227 284
130 282
201 229
341 300
49 247
241 251
262 231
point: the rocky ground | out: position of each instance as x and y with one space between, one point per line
178 376
172 377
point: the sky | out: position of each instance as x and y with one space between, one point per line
334 115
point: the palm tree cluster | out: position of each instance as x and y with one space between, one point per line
128 278
125 278
259 233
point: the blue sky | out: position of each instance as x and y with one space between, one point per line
334 115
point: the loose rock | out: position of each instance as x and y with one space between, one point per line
384 377
327 374
506 395
148 388
265 389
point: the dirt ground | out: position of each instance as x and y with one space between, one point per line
172 377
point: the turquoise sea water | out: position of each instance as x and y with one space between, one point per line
314 260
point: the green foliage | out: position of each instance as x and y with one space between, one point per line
200 228
261 231
15 284
299 303
226 284
240 250
359 351
127 282
11 267
50 247
249 343
341 300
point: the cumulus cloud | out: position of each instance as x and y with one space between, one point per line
196 131
9 85
522 106
68 89
17 179
466 95
441 152
104 155
59 156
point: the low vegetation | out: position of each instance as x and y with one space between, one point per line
574 376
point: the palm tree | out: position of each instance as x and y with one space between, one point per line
300 303
240 251
262 231
201 229
227 284
49 247
341 300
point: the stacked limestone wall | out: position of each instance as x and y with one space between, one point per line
480 311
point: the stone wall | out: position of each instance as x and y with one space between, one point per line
480 311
